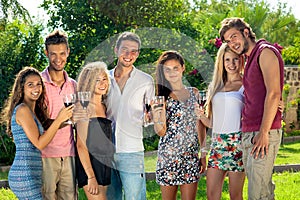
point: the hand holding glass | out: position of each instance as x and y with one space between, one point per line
158 105
69 99
147 115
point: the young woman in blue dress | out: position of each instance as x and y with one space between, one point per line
26 118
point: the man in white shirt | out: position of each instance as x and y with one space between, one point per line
125 102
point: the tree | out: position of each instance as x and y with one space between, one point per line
13 9
20 46
277 26
95 24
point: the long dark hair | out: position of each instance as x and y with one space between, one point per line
163 87
16 97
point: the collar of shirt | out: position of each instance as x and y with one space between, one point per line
47 77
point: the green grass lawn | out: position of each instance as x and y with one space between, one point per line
287 188
288 154
287 183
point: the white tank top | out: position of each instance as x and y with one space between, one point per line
226 111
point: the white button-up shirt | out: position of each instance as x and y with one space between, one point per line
126 110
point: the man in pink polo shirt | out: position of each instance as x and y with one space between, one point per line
59 156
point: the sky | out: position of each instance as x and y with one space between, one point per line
32 7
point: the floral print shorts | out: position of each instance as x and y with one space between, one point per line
226 152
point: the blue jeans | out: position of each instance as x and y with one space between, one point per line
128 177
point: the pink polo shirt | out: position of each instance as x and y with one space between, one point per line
62 144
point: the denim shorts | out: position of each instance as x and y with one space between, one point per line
128 174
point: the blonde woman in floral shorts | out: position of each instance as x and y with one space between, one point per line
223 115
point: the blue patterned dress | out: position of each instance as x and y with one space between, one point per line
25 174
178 160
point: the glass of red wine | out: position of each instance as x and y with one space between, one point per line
69 99
147 108
84 99
159 103
202 98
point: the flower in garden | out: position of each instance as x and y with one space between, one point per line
193 72
217 42
278 46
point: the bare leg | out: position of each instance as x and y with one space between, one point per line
169 192
214 180
236 184
188 191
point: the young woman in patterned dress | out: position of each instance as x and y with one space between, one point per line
178 162
24 114
224 107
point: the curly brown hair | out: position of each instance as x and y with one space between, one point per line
238 24
88 75
16 97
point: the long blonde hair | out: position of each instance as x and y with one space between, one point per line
89 74
220 75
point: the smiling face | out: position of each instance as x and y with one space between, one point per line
57 55
236 40
173 71
102 84
232 62
127 53
32 88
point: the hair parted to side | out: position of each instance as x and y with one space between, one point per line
220 75
56 37
128 36
163 87
237 23
16 97
89 74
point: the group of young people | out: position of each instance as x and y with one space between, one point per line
242 110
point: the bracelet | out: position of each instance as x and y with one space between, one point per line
91 177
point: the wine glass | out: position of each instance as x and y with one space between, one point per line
147 108
69 99
84 99
202 98
159 103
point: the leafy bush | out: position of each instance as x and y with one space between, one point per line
291 54
151 143
7 148
293 133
